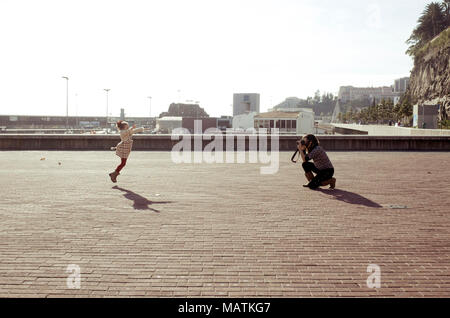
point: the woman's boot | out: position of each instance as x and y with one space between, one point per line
113 176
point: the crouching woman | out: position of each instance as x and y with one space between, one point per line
310 149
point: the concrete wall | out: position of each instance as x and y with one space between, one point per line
164 142
428 114
349 131
377 130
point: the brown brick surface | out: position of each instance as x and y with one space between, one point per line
223 229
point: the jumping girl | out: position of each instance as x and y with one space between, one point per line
322 165
123 148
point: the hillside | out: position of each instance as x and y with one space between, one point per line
430 77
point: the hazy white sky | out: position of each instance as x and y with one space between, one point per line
207 49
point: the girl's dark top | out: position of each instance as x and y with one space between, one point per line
320 158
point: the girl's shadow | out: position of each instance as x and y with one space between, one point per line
139 202
350 197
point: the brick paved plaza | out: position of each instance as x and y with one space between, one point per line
223 229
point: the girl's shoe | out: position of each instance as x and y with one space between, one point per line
113 176
113 148
333 183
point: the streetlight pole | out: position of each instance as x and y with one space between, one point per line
67 101
150 109
107 100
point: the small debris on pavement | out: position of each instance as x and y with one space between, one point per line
394 206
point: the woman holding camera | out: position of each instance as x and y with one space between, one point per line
322 166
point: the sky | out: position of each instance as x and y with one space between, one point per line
199 50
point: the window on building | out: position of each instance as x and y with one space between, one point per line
271 124
278 124
288 124
246 98
294 124
283 124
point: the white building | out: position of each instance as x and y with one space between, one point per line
299 122
245 103
244 121
167 124
401 84
349 93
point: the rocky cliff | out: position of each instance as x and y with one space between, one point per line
430 77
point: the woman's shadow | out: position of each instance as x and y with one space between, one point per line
139 202
350 197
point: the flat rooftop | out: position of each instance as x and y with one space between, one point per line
224 230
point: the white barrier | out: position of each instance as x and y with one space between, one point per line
379 130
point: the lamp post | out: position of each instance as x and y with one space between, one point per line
76 110
149 109
67 101
107 91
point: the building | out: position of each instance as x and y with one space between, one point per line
350 93
59 122
166 125
401 84
185 110
204 123
245 103
224 122
244 121
52 122
293 122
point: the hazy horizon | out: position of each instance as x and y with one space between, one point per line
206 49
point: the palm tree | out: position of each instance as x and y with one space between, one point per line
433 21
446 5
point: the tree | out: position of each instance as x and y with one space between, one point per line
396 111
404 109
446 5
317 96
389 110
433 21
